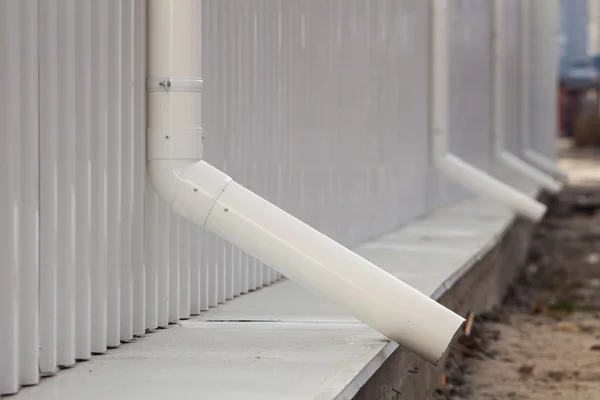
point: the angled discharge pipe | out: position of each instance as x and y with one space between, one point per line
498 116
449 164
211 199
545 164
542 162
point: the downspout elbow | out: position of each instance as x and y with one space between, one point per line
164 177
190 188
189 185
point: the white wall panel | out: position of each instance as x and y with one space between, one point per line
544 68
83 210
471 80
28 225
114 172
91 160
138 262
61 43
49 185
127 163
512 76
325 118
320 107
593 29
151 259
98 162
9 295
19 197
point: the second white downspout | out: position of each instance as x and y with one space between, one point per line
211 199
449 164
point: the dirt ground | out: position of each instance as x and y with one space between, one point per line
544 341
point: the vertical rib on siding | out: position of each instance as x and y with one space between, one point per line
29 194
9 358
194 294
151 258
63 54
138 262
127 142
165 232
114 209
83 148
170 296
185 273
48 92
209 45
98 159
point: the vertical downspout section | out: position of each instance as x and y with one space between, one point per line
535 158
449 164
499 130
209 198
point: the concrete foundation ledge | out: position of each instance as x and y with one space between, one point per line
282 342
477 288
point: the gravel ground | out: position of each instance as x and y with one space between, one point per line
544 341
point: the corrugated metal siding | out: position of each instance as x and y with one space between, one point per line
19 199
302 94
91 136
322 108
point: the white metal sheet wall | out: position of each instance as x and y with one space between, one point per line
86 178
303 94
593 27
470 89
512 70
19 205
471 80
543 72
322 108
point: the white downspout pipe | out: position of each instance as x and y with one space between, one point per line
211 199
499 130
535 158
545 164
452 166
